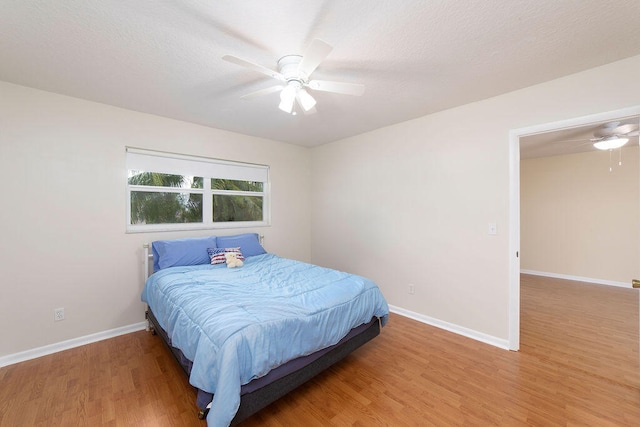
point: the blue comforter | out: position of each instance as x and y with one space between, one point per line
236 324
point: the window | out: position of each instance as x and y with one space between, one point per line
176 192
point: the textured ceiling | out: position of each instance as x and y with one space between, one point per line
415 57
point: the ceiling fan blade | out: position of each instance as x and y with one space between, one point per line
634 133
252 66
606 129
625 129
261 92
588 140
356 89
314 55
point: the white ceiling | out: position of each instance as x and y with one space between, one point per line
415 57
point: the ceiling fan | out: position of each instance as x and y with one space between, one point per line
613 135
294 73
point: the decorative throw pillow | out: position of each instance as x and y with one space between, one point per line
217 254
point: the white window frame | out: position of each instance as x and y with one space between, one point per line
207 168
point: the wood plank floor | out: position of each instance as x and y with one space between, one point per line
578 365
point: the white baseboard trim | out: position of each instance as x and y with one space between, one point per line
577 278
456 329
72 343
88 339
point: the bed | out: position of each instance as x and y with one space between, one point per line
246 336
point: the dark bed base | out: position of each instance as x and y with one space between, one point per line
261 392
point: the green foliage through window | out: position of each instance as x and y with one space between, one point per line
165 207
235 185
170 191
237 208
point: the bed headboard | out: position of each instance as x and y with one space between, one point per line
148 261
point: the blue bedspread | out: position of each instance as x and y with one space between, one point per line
236 324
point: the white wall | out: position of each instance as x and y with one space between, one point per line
62 222
578 218
411 203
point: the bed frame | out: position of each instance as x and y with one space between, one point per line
260 392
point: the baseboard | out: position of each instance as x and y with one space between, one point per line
72 343
456 329
88 339
577 278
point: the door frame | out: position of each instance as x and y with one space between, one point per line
514 201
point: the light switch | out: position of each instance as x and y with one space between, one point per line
493 228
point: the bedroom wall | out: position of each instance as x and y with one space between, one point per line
578 219
412 203
62 222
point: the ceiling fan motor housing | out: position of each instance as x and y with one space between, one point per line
288 67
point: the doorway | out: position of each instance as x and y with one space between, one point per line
514 202
587 326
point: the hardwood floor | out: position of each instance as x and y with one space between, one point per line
578 365
598 331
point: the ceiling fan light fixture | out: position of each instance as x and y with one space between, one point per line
295 72
287 97
611 143
305 100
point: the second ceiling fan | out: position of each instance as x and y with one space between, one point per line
613 135
294 72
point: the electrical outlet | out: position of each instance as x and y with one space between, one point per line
58 314
412 289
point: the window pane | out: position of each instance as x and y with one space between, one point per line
164 180
165 208
198 182
230 184
237 208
